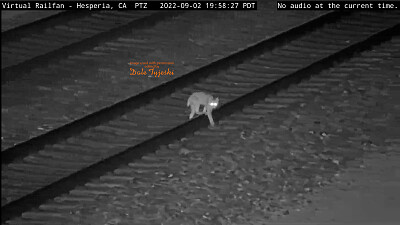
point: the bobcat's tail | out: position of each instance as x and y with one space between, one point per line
188 102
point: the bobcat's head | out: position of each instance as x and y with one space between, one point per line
214 103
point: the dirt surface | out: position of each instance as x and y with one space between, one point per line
367 194
368 190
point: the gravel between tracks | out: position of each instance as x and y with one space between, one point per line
254 169
53 96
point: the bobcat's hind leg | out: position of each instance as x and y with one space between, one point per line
192 112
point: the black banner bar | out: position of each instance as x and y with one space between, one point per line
129 5
338 5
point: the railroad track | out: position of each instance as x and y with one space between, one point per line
71 32
80 96
158 116
96 78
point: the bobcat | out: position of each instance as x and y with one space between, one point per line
207 100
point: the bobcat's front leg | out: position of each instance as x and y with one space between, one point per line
210 118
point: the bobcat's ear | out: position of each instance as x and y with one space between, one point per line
217 99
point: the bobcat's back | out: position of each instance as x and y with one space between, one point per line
200 98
